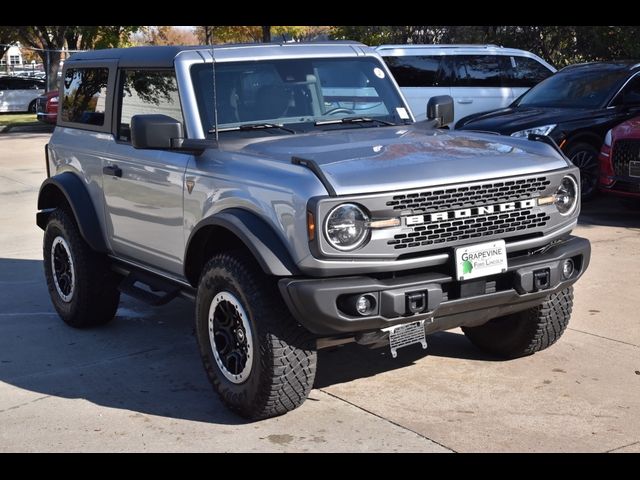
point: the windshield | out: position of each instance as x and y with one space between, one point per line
297 93
574 89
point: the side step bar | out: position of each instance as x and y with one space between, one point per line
160 290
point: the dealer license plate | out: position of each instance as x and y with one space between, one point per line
480 260
405 335
634 169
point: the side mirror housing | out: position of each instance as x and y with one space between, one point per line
155 131
440 108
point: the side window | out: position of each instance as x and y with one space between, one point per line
631 93
85 91
479 70
146 91
526 72
415 71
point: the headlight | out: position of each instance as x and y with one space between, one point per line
54 99
607 139
567 196
544 130
346 226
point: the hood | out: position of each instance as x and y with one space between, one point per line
369 159
513 119
628 129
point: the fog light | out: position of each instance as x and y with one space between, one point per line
567 268
364 304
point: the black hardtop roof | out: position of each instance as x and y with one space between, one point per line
163 56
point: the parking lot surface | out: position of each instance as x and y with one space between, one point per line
137 384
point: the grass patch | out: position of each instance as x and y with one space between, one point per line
17 119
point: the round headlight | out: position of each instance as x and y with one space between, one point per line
346 226
567 195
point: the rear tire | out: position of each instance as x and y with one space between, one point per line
524 333
260 361
32 107
83 289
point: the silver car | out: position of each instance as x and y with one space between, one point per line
19 94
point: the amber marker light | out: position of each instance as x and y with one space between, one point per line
547 200
311 226
390 222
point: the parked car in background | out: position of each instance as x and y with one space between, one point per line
575 107
478 77
620 160
19 94
47 107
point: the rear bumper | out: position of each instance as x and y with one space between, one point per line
324 306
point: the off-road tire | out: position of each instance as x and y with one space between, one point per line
284 353
526 332
96 296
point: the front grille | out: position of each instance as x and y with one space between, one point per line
625 151
484 194
482 226
469 196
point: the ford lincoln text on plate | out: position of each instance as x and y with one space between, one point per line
575 107
287 190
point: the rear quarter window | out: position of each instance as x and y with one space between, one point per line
526 72
85 95
415 71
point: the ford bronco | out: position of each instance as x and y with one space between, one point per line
288 191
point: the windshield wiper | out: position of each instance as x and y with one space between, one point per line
353 120
253 126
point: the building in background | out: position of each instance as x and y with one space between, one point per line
12 59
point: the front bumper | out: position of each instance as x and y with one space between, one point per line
320 305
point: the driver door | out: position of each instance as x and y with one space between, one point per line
144 188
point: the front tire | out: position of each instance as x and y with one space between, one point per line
258 359
524 333
32 107
83 290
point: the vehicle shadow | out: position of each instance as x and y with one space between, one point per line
352 361
610 211
146 360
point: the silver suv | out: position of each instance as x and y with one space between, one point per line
287 190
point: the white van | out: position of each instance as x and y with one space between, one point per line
478 77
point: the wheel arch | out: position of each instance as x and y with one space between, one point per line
232 229
67 190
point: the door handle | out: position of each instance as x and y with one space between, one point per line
112 170
465 100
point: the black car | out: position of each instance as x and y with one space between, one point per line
576 107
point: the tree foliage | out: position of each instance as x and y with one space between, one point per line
560 45
241 34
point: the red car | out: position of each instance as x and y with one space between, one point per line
47 107
620 160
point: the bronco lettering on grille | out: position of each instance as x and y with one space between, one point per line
470 212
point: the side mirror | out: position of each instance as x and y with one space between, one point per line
440 108
155 131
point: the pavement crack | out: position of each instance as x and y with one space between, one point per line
386 420
620 448
20 405
603 337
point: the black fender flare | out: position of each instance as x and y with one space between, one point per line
256 234
71 187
